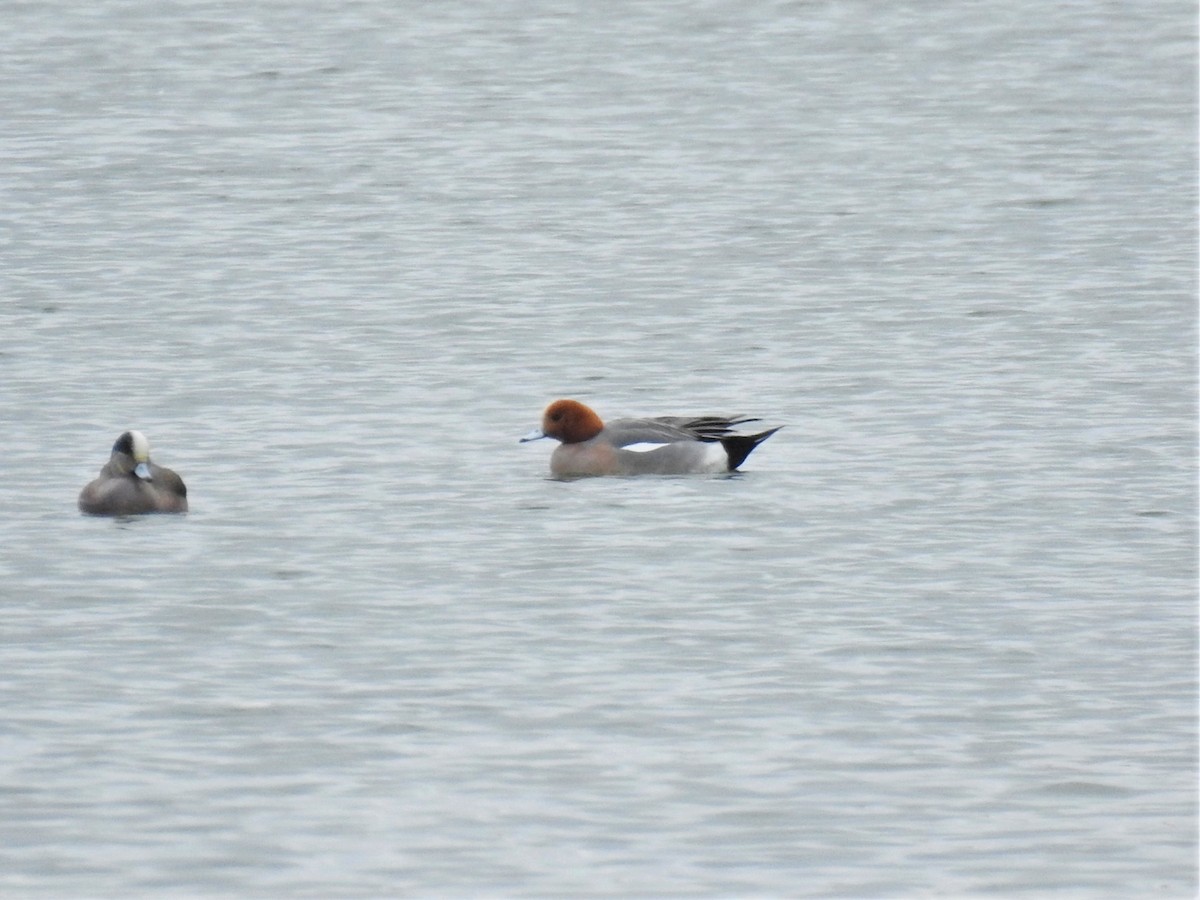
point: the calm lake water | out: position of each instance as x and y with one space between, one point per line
939 638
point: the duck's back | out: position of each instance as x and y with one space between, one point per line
127 495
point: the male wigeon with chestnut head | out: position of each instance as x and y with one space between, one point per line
686 445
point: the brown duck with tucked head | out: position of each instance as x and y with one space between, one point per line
131 485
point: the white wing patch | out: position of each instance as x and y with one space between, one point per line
642 447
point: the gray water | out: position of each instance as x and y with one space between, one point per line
938 638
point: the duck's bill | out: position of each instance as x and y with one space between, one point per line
534 435
142 471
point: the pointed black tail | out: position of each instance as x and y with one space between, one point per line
739 446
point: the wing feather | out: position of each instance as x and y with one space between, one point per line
667 429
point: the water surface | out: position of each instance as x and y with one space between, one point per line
938 637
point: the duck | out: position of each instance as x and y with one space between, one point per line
686 444
130 484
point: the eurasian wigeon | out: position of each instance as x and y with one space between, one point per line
129 484
704 444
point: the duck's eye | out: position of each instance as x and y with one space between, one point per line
555 417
